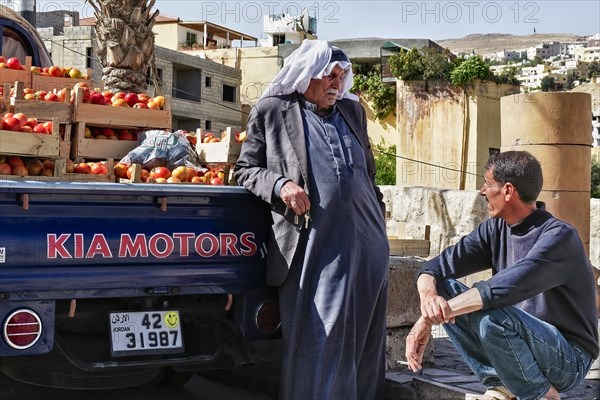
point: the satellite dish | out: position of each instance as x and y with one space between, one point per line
305 20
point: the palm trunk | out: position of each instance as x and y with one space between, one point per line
125 43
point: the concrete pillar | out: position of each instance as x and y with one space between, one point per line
557 129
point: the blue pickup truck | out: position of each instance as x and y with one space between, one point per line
107 285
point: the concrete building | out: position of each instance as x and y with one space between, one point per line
544 50
588 54
204 94
596 130
507 55
531 77
176 34
569 48
288 29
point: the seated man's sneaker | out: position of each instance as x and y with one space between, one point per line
498 393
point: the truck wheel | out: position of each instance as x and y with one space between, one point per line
174 379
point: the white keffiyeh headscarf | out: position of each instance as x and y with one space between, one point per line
314 59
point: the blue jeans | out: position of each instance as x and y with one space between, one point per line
509 347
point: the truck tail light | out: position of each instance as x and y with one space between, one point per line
267 316
22 329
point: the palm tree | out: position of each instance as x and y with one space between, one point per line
125 43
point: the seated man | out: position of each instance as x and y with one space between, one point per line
532 328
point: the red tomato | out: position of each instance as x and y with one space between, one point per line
160 172
12 124
13 63
98 168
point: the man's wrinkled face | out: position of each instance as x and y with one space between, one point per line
323 92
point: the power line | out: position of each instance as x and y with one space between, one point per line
427 163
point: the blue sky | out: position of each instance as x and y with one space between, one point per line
402 19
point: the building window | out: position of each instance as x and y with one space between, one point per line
229 93
187 84
278 39
190 39
89 54
159 74
208 81
208 125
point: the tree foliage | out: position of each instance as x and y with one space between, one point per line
434 64
593 70
407 65
547 84
469 70
381 95
385 162
595 188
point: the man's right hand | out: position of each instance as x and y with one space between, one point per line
434 308
295 198
416 342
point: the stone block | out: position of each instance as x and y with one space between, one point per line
403 298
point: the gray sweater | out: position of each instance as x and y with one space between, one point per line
538 265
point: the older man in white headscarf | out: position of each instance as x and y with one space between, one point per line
307 154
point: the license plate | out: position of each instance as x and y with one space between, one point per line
147 332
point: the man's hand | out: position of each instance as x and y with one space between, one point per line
434 308
416 342
295 198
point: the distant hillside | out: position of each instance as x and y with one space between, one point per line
494 42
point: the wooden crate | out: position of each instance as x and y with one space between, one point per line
51 83
31 144
224 152
33 177
12 75
83 147
61 172
40 109
123 117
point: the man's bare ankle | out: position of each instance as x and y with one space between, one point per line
552 394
